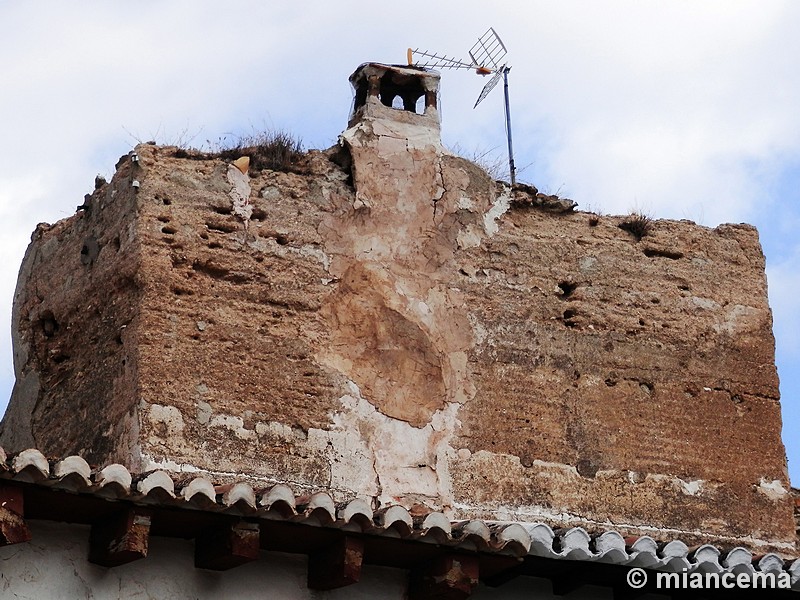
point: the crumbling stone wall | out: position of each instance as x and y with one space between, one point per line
388 322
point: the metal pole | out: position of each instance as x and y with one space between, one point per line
512 169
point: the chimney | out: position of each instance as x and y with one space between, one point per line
410 92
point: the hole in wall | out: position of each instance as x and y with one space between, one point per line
210 269
567 287
670 254
169 230
48 324
222 227
587 468
59 358
362 91
89 251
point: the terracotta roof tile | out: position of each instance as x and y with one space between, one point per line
279 502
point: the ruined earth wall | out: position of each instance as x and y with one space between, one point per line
74 326
388 322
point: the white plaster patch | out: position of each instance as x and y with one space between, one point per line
169 416
350 458
773 490
388 145
274 431
465 203
151 464
240 193
690 488
633 477
203 412
497 210
379 456
414 136
271 192
587 264
704 303
314 252
739 318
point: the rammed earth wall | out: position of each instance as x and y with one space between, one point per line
403 328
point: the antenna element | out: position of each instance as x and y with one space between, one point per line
485 56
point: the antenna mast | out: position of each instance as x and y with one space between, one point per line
511 168
485 56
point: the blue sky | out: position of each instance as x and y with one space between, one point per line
679 109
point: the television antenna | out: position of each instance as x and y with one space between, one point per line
485 56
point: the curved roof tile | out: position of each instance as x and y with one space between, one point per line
114 481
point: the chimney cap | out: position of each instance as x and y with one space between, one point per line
395 92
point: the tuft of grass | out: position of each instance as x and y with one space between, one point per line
275 150
494 165
637 224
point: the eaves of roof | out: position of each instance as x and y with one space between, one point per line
233 522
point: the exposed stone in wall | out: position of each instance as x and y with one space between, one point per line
406 329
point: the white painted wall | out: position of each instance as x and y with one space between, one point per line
54 566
